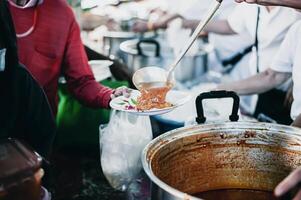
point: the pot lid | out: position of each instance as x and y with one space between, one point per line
17 162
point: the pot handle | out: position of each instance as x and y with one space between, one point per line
148 41
216 95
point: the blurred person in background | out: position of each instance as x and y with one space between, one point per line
286 64
267 27
169 10
231 52
193 10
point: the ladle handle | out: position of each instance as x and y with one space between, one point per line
216 95
212 10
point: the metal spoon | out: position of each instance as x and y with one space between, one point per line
159 77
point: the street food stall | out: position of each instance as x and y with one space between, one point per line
153 100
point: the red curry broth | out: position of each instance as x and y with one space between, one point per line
153 95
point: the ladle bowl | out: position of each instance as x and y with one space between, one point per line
154 75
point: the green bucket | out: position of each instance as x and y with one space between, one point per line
78 125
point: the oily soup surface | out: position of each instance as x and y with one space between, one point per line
153 97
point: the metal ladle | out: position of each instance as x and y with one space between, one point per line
158 77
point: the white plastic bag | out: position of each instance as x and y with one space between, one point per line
122 143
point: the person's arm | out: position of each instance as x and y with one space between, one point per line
80 79
234 24
162 23
287 3
218 26
297 122
289 183
259 83
90 21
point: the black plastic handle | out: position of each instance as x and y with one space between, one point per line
216 95
148 41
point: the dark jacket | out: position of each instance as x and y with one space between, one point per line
24 110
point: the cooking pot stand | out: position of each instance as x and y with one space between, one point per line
214 95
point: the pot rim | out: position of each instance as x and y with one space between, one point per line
124 46
130 35
194 129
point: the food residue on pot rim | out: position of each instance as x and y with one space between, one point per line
249 134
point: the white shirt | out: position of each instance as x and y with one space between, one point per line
173 6
288 60
272 29
194 9
225 45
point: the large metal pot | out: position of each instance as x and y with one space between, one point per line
230 155
151 52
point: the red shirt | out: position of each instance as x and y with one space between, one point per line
55 48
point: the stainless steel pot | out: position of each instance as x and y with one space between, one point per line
113 39
151 52
230 155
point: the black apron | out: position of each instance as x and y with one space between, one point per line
270 105
24 110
